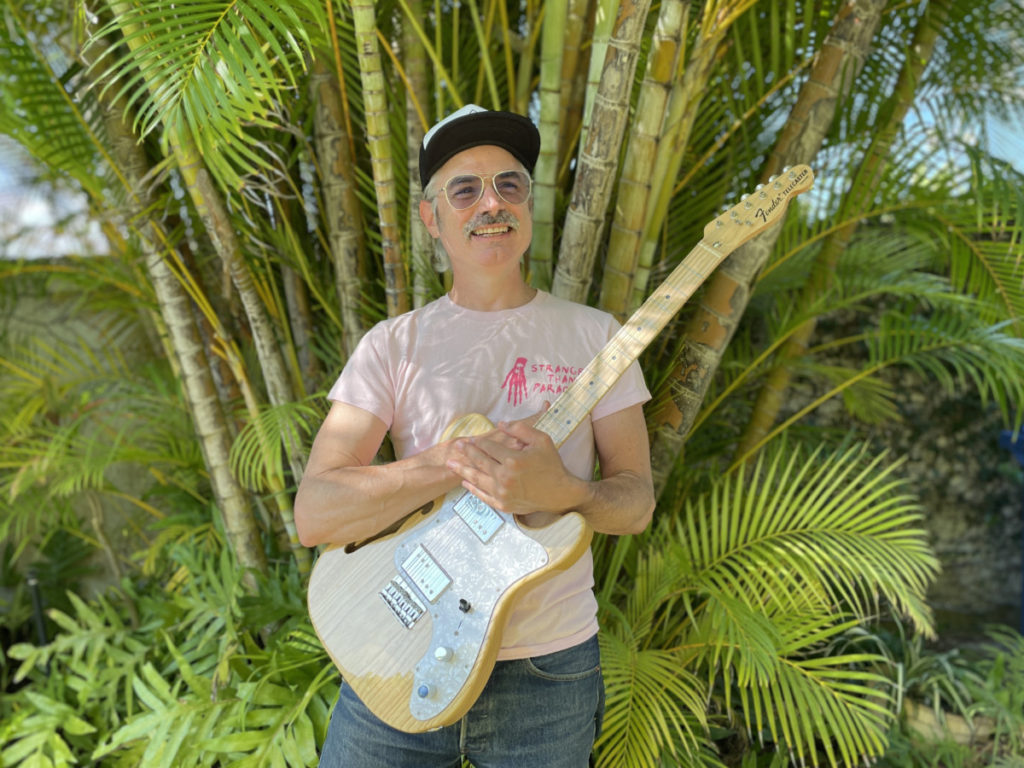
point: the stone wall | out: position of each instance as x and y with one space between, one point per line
972 492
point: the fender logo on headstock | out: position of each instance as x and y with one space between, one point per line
783 192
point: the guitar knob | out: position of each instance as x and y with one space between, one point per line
443 654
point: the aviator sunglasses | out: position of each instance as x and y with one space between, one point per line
465 190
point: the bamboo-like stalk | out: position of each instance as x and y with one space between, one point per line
683 110
421 245
579 29
378 139
545 175
727 293
189 354
599 156
865 184
640 171
341 210
605 12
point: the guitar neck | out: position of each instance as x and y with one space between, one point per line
755 213
594 381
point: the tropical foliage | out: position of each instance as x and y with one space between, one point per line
252 165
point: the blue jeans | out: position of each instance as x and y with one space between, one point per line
543 712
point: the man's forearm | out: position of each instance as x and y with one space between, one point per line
347 504
619 505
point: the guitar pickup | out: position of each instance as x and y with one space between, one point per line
424 572
480 518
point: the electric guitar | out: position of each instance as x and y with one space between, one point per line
413 617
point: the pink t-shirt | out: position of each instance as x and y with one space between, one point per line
420 371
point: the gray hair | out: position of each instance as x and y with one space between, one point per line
439 261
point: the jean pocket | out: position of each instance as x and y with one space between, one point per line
576 663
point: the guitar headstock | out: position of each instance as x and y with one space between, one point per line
759 210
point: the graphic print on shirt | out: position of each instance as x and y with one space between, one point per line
515 382
543 379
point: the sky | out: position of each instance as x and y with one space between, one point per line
32 225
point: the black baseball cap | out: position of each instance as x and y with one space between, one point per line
474 126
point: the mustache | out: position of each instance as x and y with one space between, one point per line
486 219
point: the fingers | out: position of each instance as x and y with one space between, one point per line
478 470
494 465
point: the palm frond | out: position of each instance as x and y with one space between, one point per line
797 531
256 454
210 69
41 103
954 347
655 707
820 703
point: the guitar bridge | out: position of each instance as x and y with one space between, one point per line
402 601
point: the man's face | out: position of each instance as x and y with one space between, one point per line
492 232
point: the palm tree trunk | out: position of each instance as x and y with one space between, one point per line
378 137
682 114
212 211
723 303
421 245
605 13
579 27
599 156
176 312
342 212
300 321
865 184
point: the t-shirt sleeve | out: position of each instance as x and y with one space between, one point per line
366 381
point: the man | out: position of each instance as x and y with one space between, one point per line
496 346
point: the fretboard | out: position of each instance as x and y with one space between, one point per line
593 382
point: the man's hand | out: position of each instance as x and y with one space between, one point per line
516 468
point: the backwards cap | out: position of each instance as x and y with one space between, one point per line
474 126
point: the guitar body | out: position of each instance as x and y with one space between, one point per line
414 619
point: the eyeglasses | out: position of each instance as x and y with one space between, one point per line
465 190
